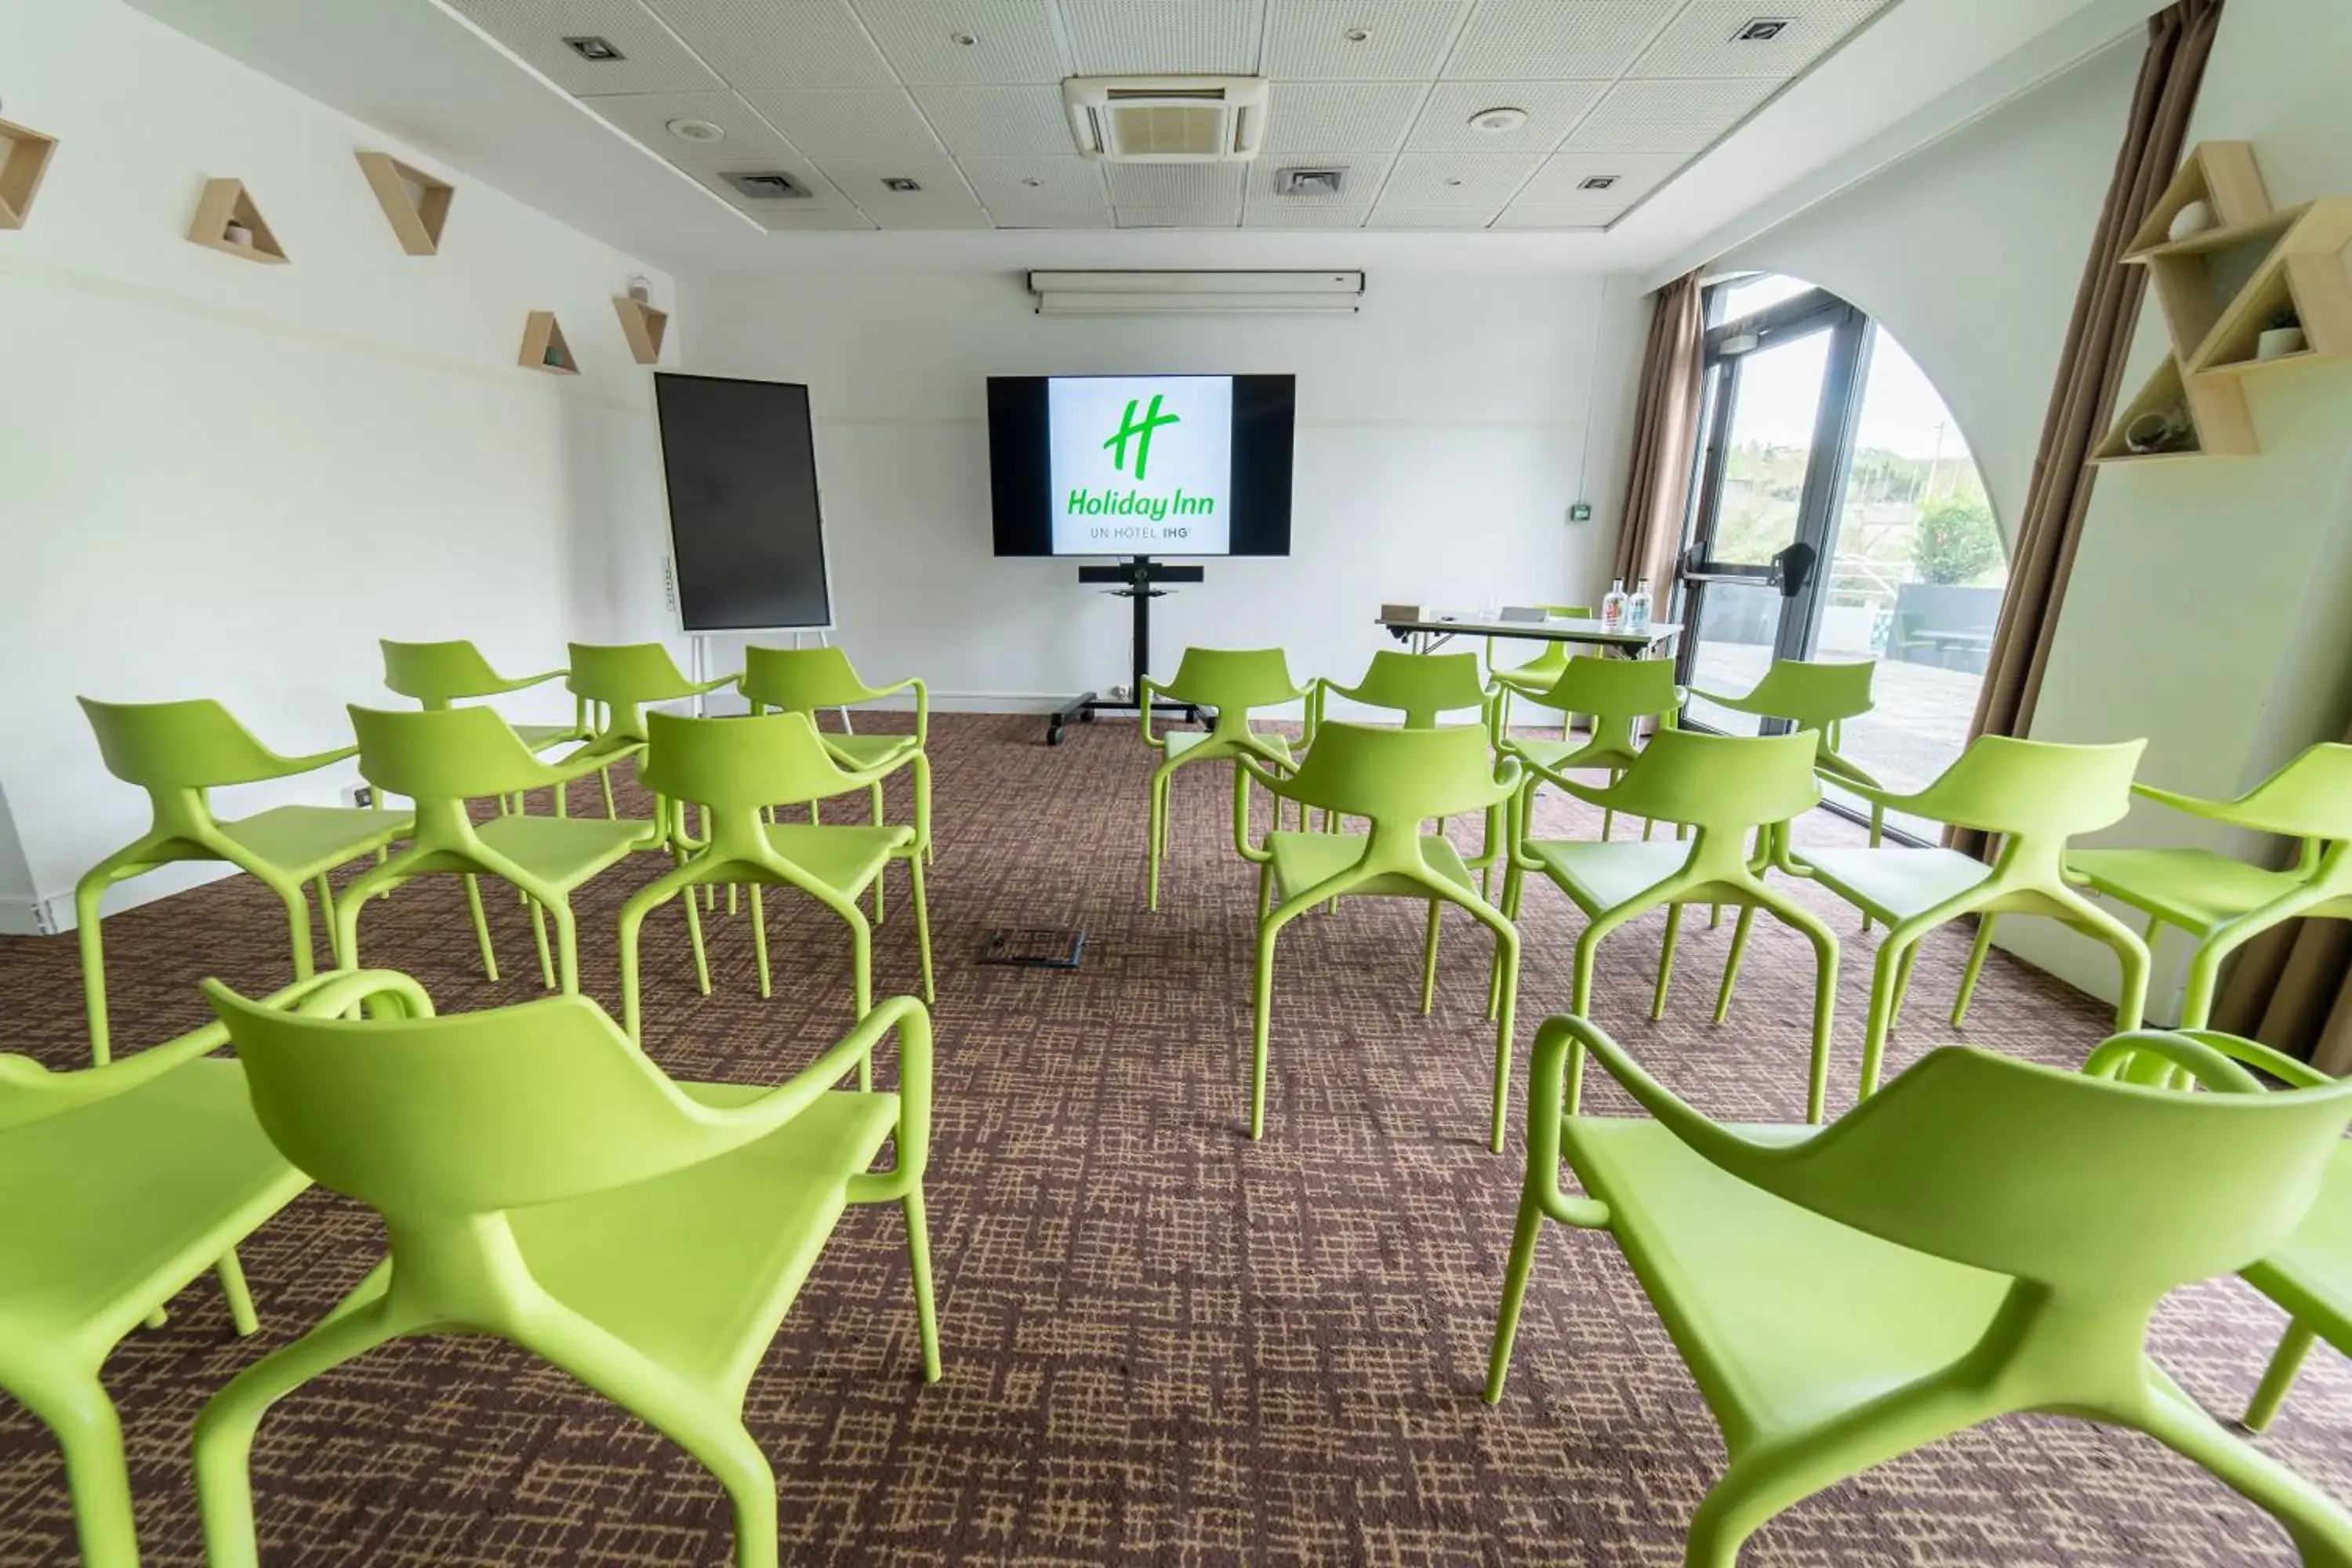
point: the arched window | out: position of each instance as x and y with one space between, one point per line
1835 514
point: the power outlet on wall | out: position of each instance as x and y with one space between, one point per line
360 796
1119 693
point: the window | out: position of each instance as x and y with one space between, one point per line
1836 514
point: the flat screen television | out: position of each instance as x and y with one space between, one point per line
1141 465
746 527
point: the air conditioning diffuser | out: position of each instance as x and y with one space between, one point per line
1167 119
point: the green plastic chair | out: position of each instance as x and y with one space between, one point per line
1422 687
179 753
123 1184
1732 792
540 1180
805 681
1986 1236
1817 696
1616 696
2032 795
618 681
2222 903
731 769
442 674
440 759
1395 779
1229 682
1543 668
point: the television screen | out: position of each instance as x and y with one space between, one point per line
1141 465
747 534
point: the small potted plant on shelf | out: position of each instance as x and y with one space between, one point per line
2282 335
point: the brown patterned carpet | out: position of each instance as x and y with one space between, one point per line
1164 1345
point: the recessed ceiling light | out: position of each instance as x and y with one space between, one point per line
696 131
1496 122
591 47
1357 35
964 40
1309 181
1453 179
1596 181
1762 30
1032 181
900 183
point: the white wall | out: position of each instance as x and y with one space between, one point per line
1443 434
227 479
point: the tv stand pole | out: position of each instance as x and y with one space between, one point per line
1135 576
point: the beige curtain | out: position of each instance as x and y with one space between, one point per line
2090 370
1666 430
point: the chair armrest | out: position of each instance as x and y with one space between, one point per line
289 766
696 688
2194 806
1717 1145
742 1123
922 704
1143 695
1737 704
517 683
1547 1086
914 1137
2212 1057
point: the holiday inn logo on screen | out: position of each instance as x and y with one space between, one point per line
1141 463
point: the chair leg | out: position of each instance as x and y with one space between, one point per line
1731 962
236 1292
2279 1377
1263 1023
1429 960
1902 987
1982 946
759 937
567 936
78 1410
919 1268
1524 1236
481 926
1506 997
539 936
1154 842
1885 988
922 924
298 920
325 892
87 894
1666 961
2321 1531
605 777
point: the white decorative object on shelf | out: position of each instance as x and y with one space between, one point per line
2277 343
2194 217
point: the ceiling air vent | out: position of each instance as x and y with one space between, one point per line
1310 182
767 185
1761 30
1167 119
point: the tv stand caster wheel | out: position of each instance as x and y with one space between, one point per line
1088 717
1052 735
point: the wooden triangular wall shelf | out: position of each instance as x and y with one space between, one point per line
2219 286
414 203
643 326
24 159
544 347
224 203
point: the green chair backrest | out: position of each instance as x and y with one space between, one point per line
1721 782
444 754
1611 690
430 1119
738 765
2099 1190
625 676
438 673
1397 778
800 680
1810 694
1232 681
1420 686
185 745
2311 797
2036 789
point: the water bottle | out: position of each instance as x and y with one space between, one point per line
1612 608
1637 610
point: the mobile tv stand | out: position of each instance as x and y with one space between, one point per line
1135 576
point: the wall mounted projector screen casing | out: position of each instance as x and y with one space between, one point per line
747 533
1141 465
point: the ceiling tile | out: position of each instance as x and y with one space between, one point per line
1179 218
1012 40
964 214
1388 217
1391 40
1189 37
1555 40
821 196
535 29
1561 214
1551 107
1069 181
1048 214
1174 184
1457 179
860 180
1369 116
647 116
1666 116
841 217
1302 216
760 44
1636 174
997 120
1699 43
847 121
1365 171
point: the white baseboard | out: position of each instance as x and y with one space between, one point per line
54 915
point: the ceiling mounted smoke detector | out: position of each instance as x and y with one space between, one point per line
1167 119
696 131
1496 122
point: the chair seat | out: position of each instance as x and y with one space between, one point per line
1784 1317
714 1253
2311 1276
1303 859
1603 876
106 1211
304 840
1183 741
563 850
843 858
2195 889
868 751
1552 754
1892 882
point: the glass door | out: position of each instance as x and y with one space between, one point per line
1775 438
